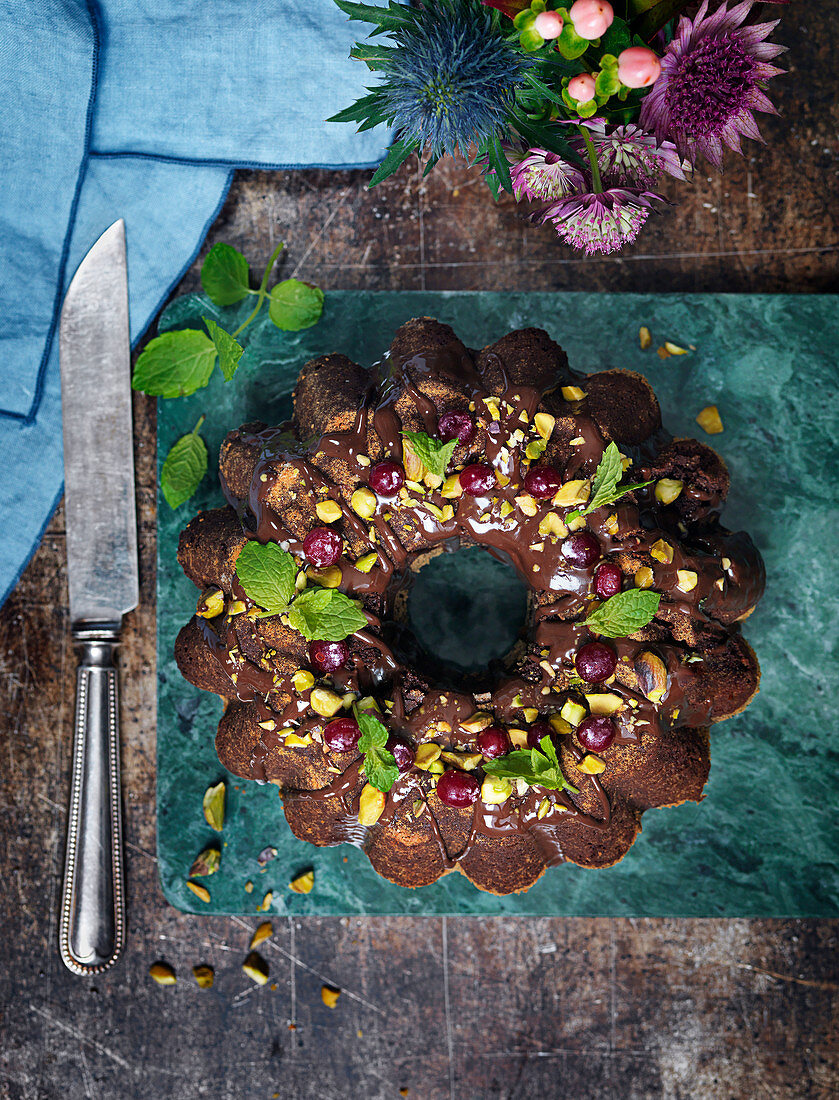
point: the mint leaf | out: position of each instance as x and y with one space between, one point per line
433 453
379 764
537 767
608 474
224 275
184 468
267 574
325 614
625 613
175 364
295 305
229 350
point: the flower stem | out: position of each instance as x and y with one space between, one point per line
596 183
263 290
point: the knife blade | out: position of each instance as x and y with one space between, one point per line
94 352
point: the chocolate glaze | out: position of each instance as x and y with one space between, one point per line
729 581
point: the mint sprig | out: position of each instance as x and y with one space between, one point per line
537 767
379 763
622 615
267 573
433 453
606 487
184 467
175 364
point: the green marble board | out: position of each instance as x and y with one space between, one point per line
765 841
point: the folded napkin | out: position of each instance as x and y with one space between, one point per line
139 109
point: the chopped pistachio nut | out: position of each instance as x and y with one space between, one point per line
687 579
544 809
535 449
426 754
518 737
236 607
249 887
300 581
362 460
674 349
552 524
210 604
492 407
302 680
206 863
709 420
364 503
578 441
417 807
591 765
452 487
668 489
530 714
325 702
495 790
465 761
371 805
328 511
644 577
303 883
604 703
432 481
572 492
645 337
329 995
652 675
200 891
204 976
263 931
214 806
544 424
162 973
366 562
414 468
295 741
572 712
436 767
476 722
726 563
527 504
256 968
577 523
573 393
328 577
611 524
265 904
662 551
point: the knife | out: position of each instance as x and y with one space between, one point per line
102 572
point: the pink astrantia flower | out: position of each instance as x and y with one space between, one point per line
711 83
601 221
543 175
629 156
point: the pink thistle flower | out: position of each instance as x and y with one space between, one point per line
711 82
543 175
629 156
602 221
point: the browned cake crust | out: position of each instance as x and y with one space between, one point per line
688 668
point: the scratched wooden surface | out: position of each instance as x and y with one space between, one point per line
429 1007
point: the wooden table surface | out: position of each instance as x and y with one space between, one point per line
430 1007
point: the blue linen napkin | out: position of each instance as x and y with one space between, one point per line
139 109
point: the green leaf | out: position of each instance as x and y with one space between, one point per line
184 468
224 275
381 769
647 17
175 364
373 732
388 18
625 613
608 474
295 305
397 154
229 350
326 615
369 106
538 768
433 453
616 38
267 574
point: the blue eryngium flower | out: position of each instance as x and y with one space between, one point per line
451 79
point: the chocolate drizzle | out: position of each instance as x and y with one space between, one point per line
729 581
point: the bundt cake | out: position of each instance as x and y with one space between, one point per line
632 646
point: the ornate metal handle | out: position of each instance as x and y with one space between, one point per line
92 927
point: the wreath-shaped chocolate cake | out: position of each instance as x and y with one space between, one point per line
632 646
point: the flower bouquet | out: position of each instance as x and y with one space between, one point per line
578 111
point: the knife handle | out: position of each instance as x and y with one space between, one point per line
92 925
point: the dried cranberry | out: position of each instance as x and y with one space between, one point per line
595 662
542 481
458 789
327 656
477 479
581 549
403 754
493 742
596 733
456 425
386 478
322 546
607 580
536 732
341 734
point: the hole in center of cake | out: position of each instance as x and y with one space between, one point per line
466 611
